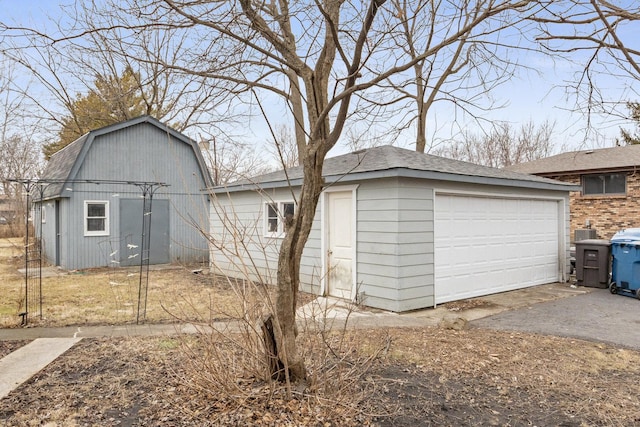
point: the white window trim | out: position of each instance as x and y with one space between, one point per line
104 232
43 214
265 215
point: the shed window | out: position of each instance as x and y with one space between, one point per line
96 218
611 183
278 217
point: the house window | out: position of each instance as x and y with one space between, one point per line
611 183
96 218
43 215
278 217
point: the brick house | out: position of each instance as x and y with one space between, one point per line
609 199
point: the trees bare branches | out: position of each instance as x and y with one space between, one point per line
503 146
598 35
283 147
459 51
597 27
89 49
632 137
19 151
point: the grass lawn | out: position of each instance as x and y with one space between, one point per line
111 296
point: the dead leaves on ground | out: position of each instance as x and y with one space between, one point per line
427 376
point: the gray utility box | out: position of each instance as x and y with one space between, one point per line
593 258
584 234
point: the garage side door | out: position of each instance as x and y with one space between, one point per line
487 245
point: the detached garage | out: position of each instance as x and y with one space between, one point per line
400 230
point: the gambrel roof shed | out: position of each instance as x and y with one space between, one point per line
65 164
93 205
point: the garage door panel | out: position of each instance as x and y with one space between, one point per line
486 245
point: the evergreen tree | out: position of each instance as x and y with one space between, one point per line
114 99
628 137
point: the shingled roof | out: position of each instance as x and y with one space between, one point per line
626 157
387 161
60 164
64 164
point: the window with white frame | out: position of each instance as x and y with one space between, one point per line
43 214
277 218
96 218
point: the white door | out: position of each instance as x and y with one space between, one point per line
486 245
339 275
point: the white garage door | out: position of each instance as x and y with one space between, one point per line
485 245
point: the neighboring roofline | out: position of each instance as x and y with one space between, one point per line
609 159
400 173
587 171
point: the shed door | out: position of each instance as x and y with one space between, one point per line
485 245
339 244
131 232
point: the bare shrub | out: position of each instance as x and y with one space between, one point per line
228 367
230 364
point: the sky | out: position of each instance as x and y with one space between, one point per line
536 96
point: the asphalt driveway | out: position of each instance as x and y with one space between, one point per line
595 316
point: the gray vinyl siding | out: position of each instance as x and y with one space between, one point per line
64 233
136 153
240 248
395 244
46 233
394 237
311 262
567 243
234 233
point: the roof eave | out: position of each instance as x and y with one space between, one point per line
403 173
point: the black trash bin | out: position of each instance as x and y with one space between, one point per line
593 258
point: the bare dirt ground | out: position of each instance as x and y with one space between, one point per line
428 376
396 377
7 347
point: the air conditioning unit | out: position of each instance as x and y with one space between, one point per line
584 234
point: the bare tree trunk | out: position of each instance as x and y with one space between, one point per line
289 266
421 137
298 114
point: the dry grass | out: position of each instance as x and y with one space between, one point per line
11 230
11 282
111 296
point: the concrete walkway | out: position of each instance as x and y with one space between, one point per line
50 343
25 362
